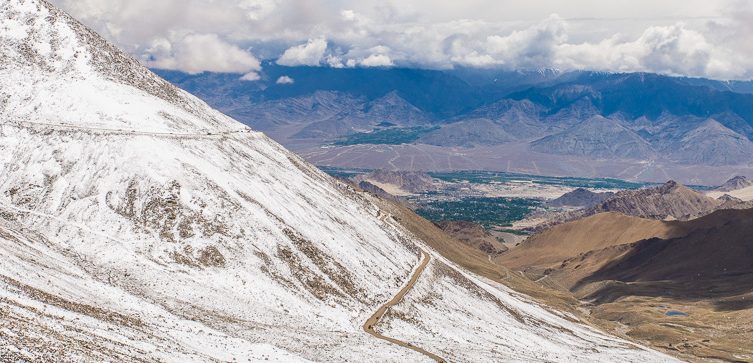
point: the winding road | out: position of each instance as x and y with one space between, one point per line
99 130
377 316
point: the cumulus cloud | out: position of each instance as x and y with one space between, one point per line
377 56
257 9
285 80
195 53
250 76
309 54
377 60
682 37
670 50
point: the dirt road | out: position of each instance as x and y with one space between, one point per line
216 134
377 316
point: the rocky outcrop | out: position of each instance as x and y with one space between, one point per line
408 181
474 235
373 189
668 201
736 183
731 202
580 197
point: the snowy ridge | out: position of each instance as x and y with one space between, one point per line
96 332
177 226
65 68
138 223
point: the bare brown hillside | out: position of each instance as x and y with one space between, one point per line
718 247
683 286
584 235
474 235
670 200
399 182
476 260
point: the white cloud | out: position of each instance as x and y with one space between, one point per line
195 53
258 9
349 15
334 61
377 60
251 76
377 56
673 50
530 47
285 80
309 54
687 37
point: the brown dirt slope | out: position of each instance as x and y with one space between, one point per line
581 236
474 235
717 329
717 246
476 260
636 270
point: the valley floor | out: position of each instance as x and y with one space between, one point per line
513 157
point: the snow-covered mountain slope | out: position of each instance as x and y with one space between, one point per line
53 309
136 223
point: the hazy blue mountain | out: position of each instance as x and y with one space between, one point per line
453 93
712 143
441 93
468 133
586 115
436 92
733 86
735 183
636 95
597 137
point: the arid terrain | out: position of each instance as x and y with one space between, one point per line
620 264
683 286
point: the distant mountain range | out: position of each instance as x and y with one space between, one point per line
663 127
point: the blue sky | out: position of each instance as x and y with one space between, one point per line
691 37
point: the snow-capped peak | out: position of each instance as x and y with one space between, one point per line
46 52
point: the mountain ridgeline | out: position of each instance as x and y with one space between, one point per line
581 115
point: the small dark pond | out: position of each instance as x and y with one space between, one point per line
675 313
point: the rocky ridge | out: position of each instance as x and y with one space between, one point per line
580 197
